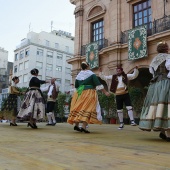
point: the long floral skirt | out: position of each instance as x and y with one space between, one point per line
155 113
83 108
10 107
33 106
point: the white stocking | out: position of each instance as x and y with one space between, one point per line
53 117
167 133
49 118
130 112
120 115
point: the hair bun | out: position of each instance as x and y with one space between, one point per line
34 71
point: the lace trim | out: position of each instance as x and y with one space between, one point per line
99 87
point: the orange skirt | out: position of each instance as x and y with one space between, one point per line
83 108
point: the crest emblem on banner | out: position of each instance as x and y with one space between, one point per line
92 55
137 43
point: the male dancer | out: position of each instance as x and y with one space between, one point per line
52 94
119 88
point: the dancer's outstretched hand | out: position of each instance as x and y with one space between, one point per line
107 93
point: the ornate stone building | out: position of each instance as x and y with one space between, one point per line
108 21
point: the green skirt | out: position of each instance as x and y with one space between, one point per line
155 113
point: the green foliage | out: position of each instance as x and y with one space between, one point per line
137 99
108 104
22 89
61 103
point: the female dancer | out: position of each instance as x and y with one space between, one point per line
33 106
84 104
12 104
155 112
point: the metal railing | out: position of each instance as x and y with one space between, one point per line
157 26
102 44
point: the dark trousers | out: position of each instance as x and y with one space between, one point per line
124 98
50 106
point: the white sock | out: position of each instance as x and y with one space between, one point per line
49 118
130 113
120 115
167 133
53 118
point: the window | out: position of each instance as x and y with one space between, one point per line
57 45
21 54
27 52
67 82
25 64
49 54
20 79
48 78
142 14
16 57
49 67
47 43
15 69
39 52
68 57
59 56
98 32
58 81
39 65
20 66
68 70
58 68
25 78
67 49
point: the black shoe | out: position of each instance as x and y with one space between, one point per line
49 124
33 126
13 124
77 128
84 130
168 139
53 124
121 126
162 136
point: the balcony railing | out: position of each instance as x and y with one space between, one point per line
156 26
102 44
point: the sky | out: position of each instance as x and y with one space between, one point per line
18 17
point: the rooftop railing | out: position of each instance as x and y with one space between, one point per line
102 44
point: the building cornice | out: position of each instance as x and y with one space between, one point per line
133 1
102 11
78 11
42 46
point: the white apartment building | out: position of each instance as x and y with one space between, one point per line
48 53
3 68
3 58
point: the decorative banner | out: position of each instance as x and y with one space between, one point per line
137 43
92 55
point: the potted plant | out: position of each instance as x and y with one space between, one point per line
137 99
61 105
108 104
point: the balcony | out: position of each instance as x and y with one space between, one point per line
157 26
103 43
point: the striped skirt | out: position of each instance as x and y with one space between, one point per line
155 113
83 108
